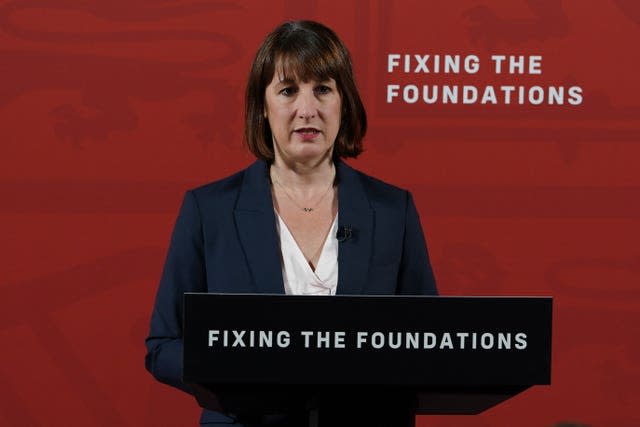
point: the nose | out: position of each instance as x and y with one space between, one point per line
307 104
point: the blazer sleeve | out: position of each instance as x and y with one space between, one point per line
415 276
184 271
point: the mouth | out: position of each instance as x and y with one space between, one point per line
307 130
307 133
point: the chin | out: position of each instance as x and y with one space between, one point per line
311 151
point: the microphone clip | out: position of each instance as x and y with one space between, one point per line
344 233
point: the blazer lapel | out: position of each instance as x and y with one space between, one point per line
256 226
356 214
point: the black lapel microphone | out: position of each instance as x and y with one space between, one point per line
344 233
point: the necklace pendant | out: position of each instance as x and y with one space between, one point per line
307 209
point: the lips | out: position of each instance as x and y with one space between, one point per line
307 133
307 130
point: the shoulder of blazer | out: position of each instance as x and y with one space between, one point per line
381 194
223 193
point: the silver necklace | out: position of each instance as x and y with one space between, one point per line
290 196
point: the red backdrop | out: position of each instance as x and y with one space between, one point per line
109 110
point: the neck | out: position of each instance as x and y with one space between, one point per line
303 175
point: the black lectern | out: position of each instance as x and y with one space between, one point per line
439 355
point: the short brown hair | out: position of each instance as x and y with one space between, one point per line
308 50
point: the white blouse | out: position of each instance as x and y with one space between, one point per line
298 276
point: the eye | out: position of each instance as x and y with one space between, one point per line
288 91
322 89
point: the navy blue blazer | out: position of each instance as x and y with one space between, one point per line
225 240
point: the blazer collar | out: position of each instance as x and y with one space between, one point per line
356 216
256 224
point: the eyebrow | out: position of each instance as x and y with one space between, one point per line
291 81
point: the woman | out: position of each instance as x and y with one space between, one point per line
298 220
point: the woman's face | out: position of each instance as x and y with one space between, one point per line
304 118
